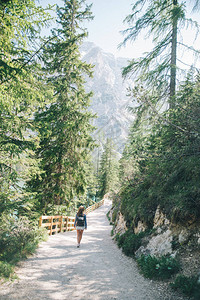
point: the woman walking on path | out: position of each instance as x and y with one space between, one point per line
80 224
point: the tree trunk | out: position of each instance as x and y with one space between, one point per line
173 55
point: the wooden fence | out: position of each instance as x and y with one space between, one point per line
56 224
94 206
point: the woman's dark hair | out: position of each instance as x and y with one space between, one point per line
80 210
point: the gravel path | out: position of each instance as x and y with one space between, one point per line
97 270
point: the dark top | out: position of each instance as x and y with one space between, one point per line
85 221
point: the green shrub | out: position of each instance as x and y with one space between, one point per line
114 215
130 242
108 215
18 237
6 269
187 285
158 268
120 238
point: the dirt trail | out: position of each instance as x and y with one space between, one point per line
97 270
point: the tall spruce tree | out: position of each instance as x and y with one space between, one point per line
163 20
65 125
21 91
164 162
108 171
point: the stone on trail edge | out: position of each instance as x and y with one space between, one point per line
98 270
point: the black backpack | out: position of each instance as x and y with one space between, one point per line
80 221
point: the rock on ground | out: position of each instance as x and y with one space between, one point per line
97 270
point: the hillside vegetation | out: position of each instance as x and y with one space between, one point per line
45 123
165 155
160 166
46 127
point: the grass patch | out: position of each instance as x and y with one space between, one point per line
6 269
158 268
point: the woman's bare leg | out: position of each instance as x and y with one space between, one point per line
79 236
78 233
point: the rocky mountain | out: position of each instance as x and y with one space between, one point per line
110 101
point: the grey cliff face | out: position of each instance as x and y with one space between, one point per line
110 99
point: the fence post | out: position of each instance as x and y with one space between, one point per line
40 221
61 222
67 224
51 225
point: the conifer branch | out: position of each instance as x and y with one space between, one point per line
29 60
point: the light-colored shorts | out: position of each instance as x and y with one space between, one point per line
80 227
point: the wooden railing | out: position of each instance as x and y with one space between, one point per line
94 206
56 224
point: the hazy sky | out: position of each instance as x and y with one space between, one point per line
104 29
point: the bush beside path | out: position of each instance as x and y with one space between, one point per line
98 270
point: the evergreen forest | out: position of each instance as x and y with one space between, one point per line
47 165
45 124
160 163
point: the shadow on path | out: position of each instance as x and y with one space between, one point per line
97 270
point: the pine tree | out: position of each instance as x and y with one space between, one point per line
21 22
64 126
162 20
165 163
21 90
108 171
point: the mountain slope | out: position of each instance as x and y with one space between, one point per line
109 102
